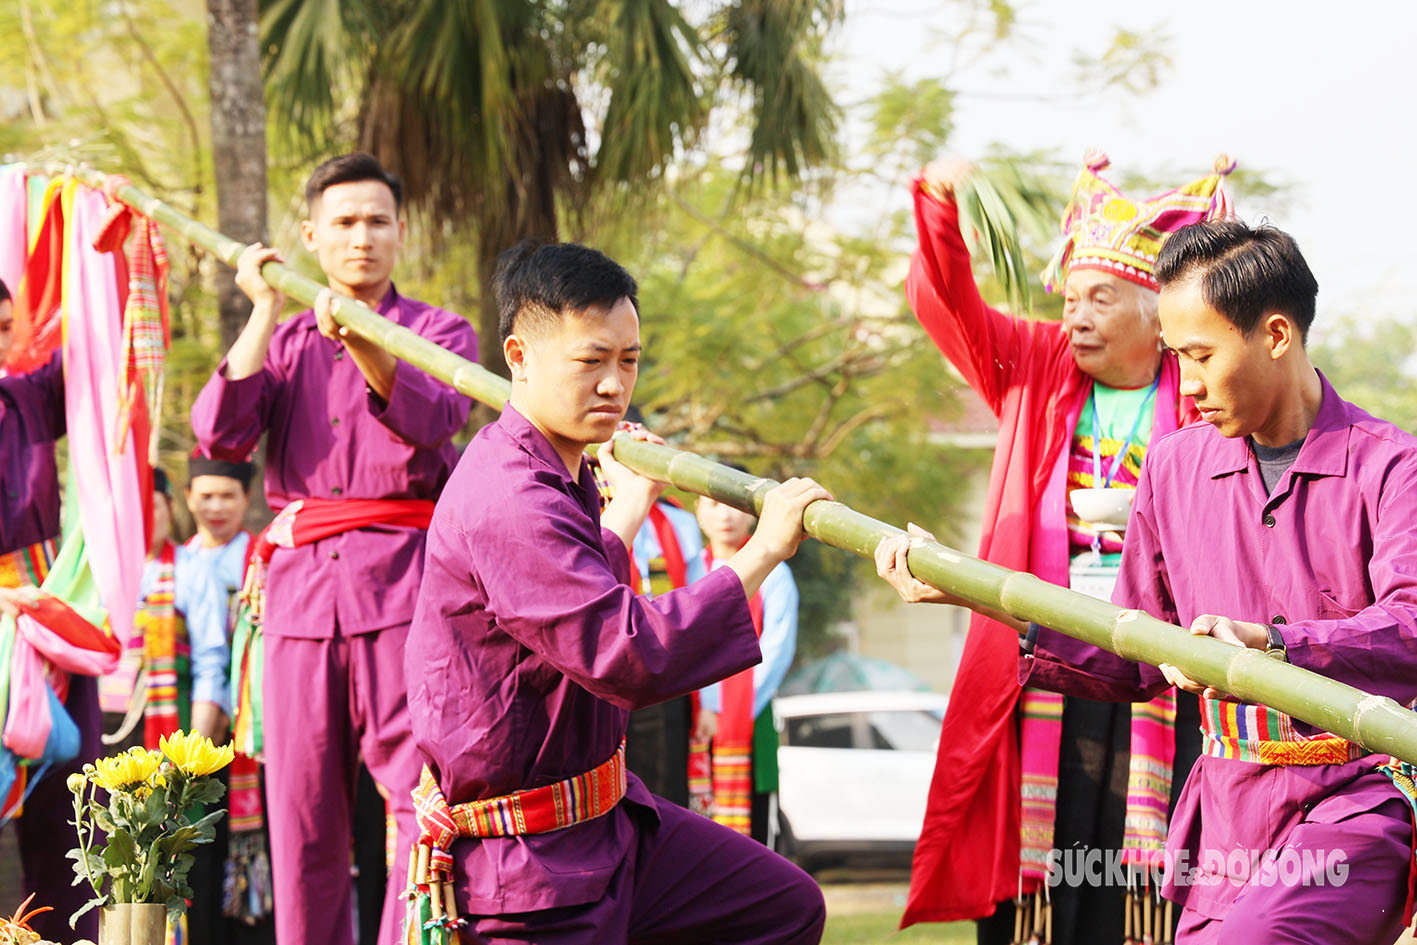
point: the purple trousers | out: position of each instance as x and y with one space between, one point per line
1361 905
45 834
329 703
687 880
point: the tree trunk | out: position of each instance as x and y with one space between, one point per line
238 141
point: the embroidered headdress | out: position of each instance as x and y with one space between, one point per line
1102 229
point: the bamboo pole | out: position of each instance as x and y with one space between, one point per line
1375 722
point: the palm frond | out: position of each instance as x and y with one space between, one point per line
995 206
655 102
313 51
773 48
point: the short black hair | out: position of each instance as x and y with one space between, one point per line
4 291
1245 272
348 168
540 283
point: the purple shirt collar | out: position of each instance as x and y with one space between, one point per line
1325 449
535 444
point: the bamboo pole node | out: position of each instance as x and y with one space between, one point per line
1369 704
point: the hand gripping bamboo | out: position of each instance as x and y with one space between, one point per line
1377 723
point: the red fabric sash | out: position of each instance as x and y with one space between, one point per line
674 564
37 319
305 521
53 614
309 520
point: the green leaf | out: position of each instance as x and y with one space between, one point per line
91 904
205 791
121 850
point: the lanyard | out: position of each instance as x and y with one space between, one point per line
1126 447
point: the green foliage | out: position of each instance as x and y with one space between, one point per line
771 48
873 928
994 206
1133 62
777 341
1370 363
912 120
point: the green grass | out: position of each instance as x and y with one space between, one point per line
871 928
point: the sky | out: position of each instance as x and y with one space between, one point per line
1320 100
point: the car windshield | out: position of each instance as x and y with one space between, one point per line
904 731
893 730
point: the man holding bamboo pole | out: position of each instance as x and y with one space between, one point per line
529 647
359 447
1024 771
1290 511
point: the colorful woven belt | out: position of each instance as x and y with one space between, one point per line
27 567
538 810
1259 734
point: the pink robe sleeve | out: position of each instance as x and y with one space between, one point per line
992 350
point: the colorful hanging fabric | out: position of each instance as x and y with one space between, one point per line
161 635
39 296
69 295
146 334
246 884
14 226
1149 773
49 640
1040 739
113 505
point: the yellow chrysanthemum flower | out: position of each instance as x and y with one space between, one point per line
195 754
133 766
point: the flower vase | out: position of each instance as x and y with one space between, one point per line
133 923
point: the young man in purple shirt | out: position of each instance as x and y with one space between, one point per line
345 421
1290 512
529 648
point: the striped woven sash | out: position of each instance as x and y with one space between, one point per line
1265 736
27 567
538 810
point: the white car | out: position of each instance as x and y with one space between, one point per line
855 770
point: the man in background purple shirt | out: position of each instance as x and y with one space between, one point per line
529 647
1291 512
344 420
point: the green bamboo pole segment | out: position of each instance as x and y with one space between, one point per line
1377 723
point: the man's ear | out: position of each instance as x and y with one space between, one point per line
307 234
1280 333
515 350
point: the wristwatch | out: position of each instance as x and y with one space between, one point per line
1274 644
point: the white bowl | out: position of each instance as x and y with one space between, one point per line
1104 509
